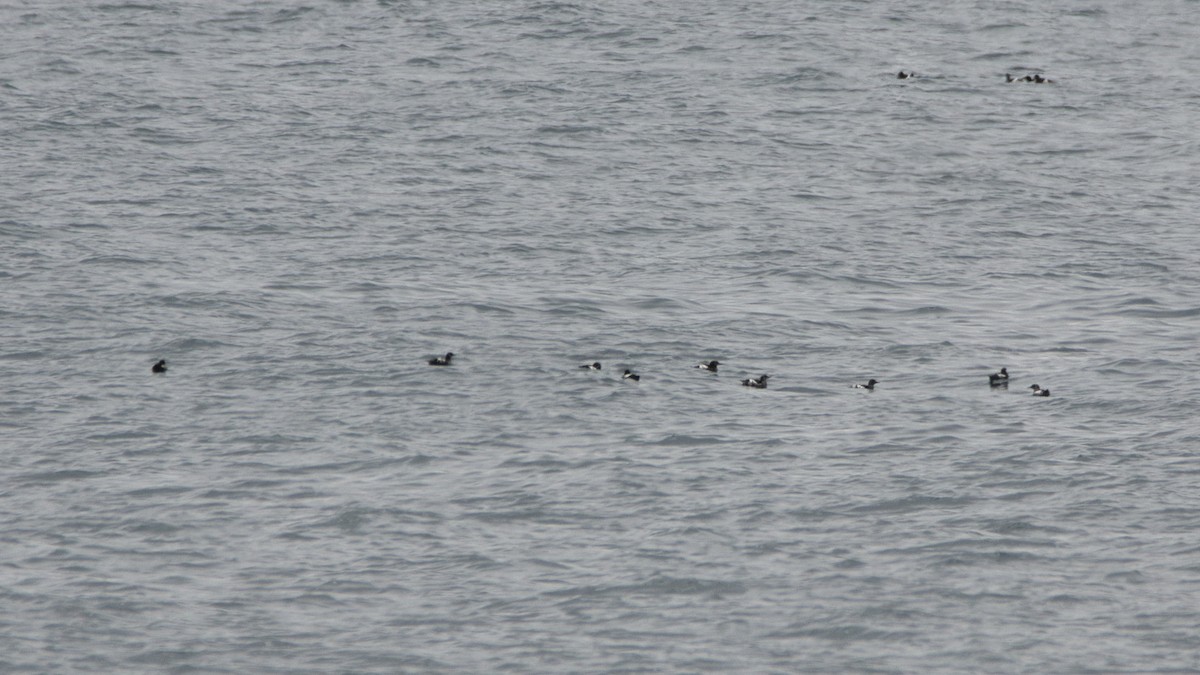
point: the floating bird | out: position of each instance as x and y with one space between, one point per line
904 76
160 367
630 375
760 383
869 385
711 366
591 366
441 360
997 379
1038 391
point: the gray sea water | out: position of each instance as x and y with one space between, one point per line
296 205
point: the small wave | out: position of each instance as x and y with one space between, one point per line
116 260
152 527
843 633
687 440
23 356
660 585
60 476
1159 313
914 503
541 463
656 304
187 344
124 6
569 129
156 491
121 436
306 64
987 558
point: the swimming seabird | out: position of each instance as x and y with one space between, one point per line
760 383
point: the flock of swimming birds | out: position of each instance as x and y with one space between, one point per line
1036 78
999 379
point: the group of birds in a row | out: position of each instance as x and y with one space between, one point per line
999 379
1036 78
710 366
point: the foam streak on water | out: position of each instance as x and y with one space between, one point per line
297 205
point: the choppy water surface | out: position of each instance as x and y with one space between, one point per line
297 205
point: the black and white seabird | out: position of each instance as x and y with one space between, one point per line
630 375
1038 391
441 360
160 367
760 383
869 385
711 366
591 366
997 379
904 76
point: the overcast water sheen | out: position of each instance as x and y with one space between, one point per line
297 205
